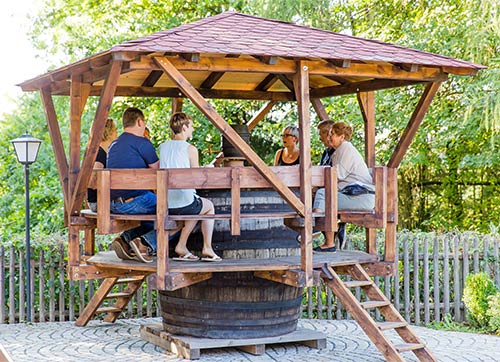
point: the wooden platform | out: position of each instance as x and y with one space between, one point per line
109 260
190 347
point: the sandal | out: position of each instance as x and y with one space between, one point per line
215 257
187 257
139 256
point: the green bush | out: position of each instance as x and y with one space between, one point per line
478 287
494 313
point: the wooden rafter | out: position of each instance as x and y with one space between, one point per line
266 83
152 78
96 133
214 77
413 124
287 82
364 86
230 134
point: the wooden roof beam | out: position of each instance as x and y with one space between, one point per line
230 134
271 60
413 125
408 67
286 82
365 86
214 77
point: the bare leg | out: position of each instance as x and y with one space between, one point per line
181 248
207 228
329 236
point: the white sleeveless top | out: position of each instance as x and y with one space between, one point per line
174 154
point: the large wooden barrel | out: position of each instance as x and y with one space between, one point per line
238 305
232 305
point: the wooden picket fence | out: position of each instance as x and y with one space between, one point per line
429 283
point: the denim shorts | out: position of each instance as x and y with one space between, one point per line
192 209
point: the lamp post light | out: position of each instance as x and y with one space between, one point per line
26 148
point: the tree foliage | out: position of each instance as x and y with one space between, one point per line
449 178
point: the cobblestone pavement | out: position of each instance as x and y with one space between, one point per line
100 341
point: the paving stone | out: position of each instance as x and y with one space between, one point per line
99 341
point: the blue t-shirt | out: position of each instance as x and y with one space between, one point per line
130 151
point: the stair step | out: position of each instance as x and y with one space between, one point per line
358 283
129 280
374 304
108 310
384 326
404 347
117 295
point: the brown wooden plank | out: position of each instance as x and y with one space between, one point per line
331 204
152 78
230 134
162 235
413 124
176 281
319 108
392 207
73 245
89 246
103 201
95 137
235 201
177 104
260 115
363 86
57 144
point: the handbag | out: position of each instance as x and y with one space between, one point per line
356 189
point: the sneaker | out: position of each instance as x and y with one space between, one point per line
315 234
319 249
140 255
122 249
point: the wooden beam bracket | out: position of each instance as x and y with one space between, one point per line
294 278
174 281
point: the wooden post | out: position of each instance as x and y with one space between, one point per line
235 201
177 105
319 108
229 133
161 233
301 85
392 210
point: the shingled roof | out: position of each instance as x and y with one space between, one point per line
225 55
235 33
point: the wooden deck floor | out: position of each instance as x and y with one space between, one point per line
108 259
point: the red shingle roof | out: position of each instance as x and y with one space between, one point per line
235 33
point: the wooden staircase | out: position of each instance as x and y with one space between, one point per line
376 299
104 293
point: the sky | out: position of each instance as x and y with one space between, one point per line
18 62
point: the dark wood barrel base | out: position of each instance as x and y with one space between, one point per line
231 305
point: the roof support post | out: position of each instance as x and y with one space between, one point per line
98 126
366 102
301 85
413 124
57 146
177 104
230 133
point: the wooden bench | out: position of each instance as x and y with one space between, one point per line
233 178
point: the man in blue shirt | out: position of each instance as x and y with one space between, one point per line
132 150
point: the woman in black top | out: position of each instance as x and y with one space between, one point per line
109 135
289 154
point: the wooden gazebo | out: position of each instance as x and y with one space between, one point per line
237 56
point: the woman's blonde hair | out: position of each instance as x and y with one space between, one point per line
178 120
109 130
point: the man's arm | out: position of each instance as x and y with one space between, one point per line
155 165
193 156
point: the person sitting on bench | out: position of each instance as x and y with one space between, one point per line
133 150
178 153
355 184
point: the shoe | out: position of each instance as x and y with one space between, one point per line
340 235
332 249
315 234
122 249
139 255
187 257
211 258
